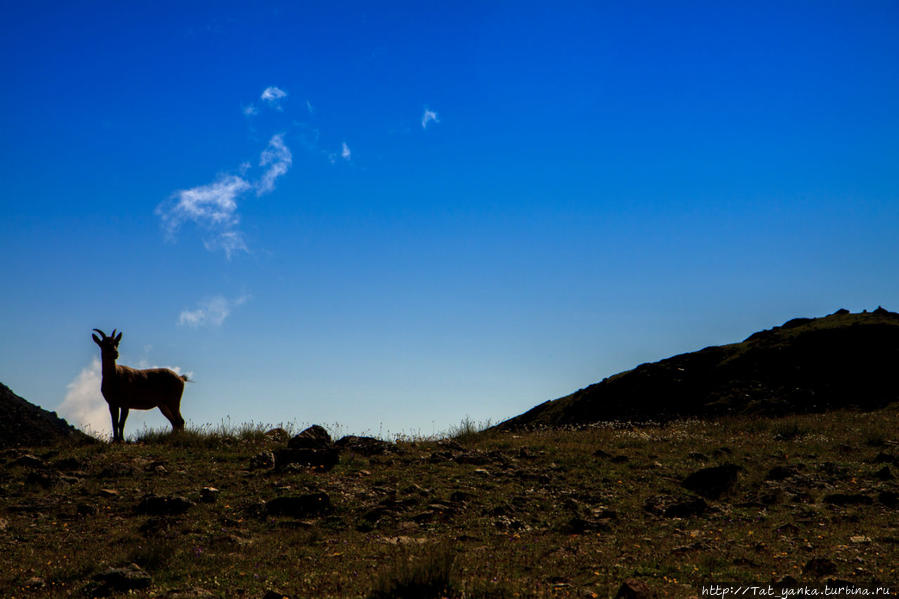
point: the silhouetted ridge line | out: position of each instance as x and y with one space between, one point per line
23 424
843 360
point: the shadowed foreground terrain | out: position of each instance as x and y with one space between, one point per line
806 365
551 513
24 424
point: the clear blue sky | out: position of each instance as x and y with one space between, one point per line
393 217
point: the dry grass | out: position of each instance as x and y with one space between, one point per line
541 514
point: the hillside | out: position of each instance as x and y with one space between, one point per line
843 360
23 424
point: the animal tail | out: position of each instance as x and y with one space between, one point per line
185 378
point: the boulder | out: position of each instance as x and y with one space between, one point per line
299 506
314 437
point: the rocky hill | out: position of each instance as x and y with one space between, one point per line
23 424
805 365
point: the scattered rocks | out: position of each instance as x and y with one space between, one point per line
713 482
299 506
117 580
161 505
314 437
634 589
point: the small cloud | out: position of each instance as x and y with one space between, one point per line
310 107
250 110
427 117
277 158
345 152
84 405
212 207
273 96
210 312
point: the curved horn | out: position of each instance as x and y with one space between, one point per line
102 334
113 333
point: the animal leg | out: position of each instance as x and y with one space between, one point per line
114 412
174 416
122 417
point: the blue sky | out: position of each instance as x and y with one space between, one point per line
390 218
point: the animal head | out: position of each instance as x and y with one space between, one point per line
109 346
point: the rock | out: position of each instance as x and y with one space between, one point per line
275 595
160 505
277 434
29 461
123 579
673 507
888 498
819 566
324 459
108 493
209 494
847 499
35 582
86 509
884 474
699 457
262 460
634 589
299 506
578 525
780 473
314 437
713 482
859 539
367 446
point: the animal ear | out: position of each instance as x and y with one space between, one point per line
97 340
118 338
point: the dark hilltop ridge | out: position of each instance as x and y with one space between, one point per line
23 424
806 365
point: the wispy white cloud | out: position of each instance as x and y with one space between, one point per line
212 207
428 117
310 107
250 110
277 158
273 96
84 405
345 151
211 311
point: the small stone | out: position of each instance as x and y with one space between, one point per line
713 482
884 473
108 493
859 539
275 595
159 505
126 578
634 589
819 566
847 499
29 461
277 434
35 582
482 471
209 494
299 506
263 460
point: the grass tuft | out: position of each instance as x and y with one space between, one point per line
423 576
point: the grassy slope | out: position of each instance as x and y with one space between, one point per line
495 515
805 365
